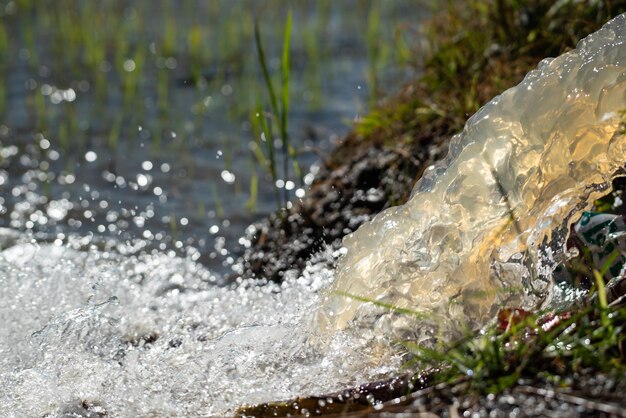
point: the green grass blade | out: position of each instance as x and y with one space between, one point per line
284 105
257 148
251 203
598 276
219 209
600 289
285 76
382 304
264 69
265 128
266 131
296 166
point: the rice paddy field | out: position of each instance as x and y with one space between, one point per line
149 120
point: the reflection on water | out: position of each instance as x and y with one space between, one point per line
132 119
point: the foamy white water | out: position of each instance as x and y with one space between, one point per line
97 332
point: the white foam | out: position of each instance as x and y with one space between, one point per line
151 335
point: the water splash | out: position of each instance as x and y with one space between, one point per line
94 333
471 236
97 333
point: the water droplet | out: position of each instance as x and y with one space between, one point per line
142 180
91 156
129 65
228 177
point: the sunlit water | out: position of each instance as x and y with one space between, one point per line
93 331
93 326
124 204
135 120
485 227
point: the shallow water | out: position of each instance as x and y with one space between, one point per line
133 119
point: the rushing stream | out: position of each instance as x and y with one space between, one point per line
109 331
486 226
95 332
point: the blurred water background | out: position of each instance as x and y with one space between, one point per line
140 120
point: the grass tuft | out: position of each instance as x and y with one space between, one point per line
550 347
279 111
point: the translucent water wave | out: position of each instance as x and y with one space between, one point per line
479 229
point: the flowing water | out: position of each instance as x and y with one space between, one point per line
487 225
128 156
98 332
95 327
